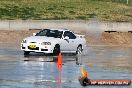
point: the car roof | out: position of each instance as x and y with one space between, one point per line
59 29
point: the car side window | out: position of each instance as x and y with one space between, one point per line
69 34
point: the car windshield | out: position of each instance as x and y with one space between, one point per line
50 33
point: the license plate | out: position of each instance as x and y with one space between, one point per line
32 46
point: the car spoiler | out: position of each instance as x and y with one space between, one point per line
80 36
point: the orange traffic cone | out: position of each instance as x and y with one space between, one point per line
59 61
84 74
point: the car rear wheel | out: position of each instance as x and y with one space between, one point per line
79 49
26 52
56 50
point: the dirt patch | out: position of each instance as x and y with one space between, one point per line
14 37
116 38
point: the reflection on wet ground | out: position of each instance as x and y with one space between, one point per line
40 71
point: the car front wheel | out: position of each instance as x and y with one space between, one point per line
56 50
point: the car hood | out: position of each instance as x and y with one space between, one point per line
40 39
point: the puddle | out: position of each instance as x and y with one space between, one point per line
40 71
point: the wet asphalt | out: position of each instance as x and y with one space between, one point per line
41 71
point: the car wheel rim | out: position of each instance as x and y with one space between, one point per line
79 51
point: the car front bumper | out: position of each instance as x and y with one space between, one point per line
36 48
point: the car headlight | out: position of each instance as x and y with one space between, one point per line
46 43
24 41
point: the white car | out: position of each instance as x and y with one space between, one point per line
54 41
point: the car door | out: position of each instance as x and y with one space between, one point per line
69 44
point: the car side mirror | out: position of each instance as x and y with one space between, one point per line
66 38
34 34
